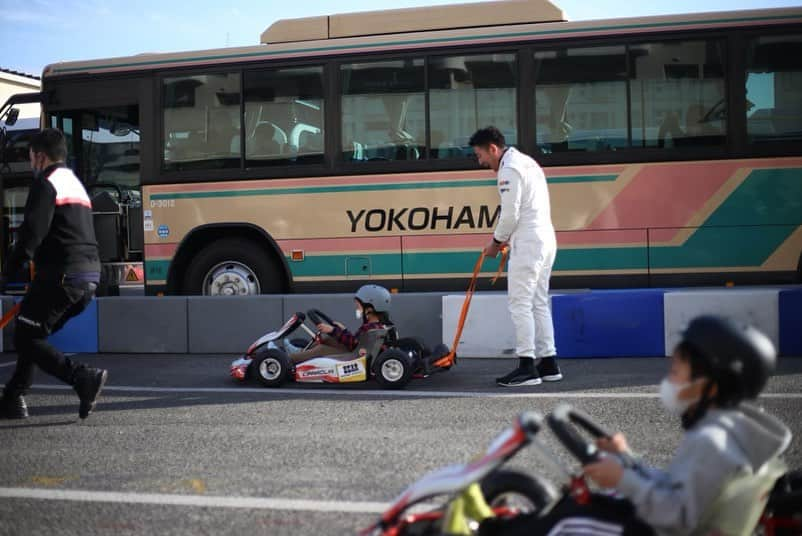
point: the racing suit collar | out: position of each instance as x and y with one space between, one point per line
504 155
45 173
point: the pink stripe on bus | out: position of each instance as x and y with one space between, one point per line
332 245
447 241
612 236
160 250
682 188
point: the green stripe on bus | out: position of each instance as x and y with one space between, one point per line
326 189
364 188
440 40
746 228
157 269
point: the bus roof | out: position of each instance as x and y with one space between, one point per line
410 41
419 19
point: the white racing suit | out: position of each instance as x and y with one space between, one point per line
525 222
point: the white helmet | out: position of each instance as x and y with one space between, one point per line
375 296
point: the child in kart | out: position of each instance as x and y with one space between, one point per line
716 366
372 307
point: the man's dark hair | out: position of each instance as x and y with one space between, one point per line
485 136
51 142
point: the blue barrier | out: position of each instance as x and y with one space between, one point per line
609 323
791 322
79 334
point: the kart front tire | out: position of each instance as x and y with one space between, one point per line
271 368
393 368
514 489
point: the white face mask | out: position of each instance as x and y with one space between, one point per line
358 314
669 396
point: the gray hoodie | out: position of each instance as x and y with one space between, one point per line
723 444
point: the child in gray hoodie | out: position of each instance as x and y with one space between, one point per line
726 463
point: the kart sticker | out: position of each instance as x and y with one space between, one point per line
315 373
352 371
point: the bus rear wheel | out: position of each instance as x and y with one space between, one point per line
232 267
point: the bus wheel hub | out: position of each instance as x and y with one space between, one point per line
231 278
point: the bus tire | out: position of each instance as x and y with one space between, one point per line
232 267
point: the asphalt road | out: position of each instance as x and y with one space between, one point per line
175 447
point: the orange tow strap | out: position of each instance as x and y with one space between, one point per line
9 315
448 359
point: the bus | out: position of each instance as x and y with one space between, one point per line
336 152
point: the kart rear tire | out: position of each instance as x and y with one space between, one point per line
412 344
271 367
393 368
529 494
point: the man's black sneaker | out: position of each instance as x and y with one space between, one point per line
13 407
548 369
88 384
520 376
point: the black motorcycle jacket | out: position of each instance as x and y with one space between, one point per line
57 232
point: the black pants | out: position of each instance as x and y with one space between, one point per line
602 516
45 309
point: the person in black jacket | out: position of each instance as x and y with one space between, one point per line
57 233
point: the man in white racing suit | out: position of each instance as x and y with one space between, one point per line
525 225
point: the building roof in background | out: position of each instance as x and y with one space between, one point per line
18 73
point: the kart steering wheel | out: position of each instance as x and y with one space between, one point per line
563 422
318 317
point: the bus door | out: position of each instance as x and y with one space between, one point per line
18 123
103 146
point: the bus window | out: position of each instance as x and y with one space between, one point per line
581 99
110 147
383 114
469 92
201 121
284 116
774 88
677 94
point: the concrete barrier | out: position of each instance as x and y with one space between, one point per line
756 306
414 314
143 325
488 328
420 314
229 326
636 322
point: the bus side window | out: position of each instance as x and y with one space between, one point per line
774 89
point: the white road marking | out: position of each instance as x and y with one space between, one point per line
8 364
263 503
386 394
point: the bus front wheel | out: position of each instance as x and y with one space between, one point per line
232 267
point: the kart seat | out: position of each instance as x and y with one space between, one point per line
370 342
743 498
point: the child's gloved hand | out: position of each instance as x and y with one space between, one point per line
324 328
616 444
607 472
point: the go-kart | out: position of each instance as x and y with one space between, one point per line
507 492
380 354
738 510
